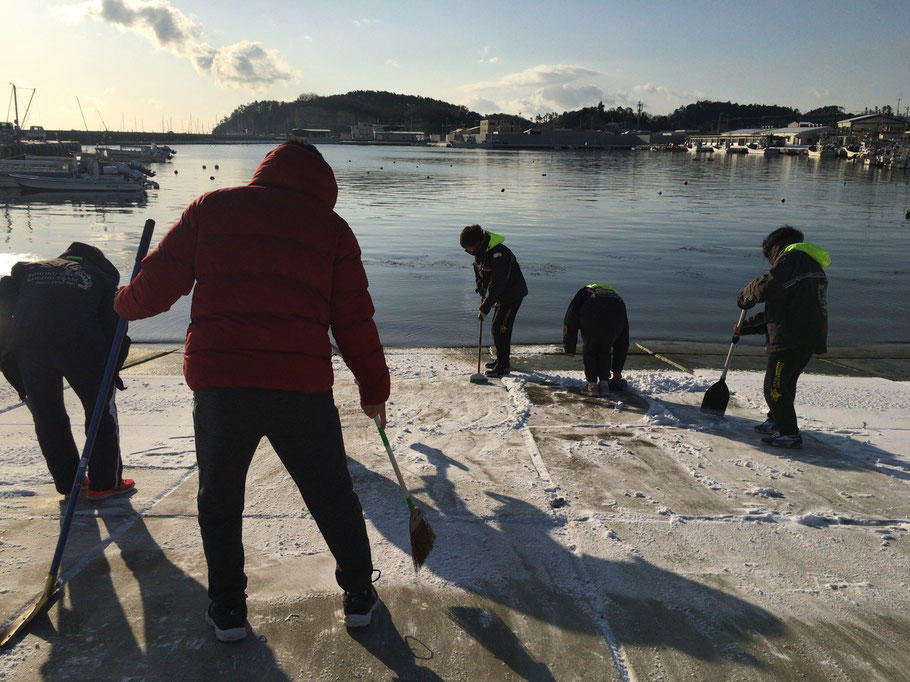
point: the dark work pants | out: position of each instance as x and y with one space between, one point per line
605 349
43 372
502 323
305 432
784 368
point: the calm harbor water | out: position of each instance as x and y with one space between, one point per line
677 235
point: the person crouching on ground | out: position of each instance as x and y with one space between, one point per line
795 322
272 269
598 311
501 287
60 323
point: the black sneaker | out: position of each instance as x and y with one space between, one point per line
491 364
767 427
497 372
779 440
359 607
229 623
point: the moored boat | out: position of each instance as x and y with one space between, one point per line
83 184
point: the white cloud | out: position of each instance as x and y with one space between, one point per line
364 22
244 64
485 57
539 89
820 94
393 63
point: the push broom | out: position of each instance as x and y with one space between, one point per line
422 536
479 378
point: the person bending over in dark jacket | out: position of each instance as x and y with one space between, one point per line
501 287
795 322
600 313
59 324
274 269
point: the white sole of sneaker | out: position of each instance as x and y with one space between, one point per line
228 635
360 620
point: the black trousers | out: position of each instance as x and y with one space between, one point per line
605 349
781 375
305 432
502 323
42 372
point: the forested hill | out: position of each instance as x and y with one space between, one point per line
340 112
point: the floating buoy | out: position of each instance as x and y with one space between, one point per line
211 177
216 166
380 168
175 172
659 193
685 182
783 201
504 189
543 175
428 177
203 166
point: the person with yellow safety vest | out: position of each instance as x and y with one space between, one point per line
598 311
501 287
795 322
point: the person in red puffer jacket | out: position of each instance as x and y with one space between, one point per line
274 269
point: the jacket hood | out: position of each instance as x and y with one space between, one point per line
86 253
817 253
601 285
294 168
495 239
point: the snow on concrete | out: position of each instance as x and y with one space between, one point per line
591 487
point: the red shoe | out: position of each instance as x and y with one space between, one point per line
126 484
82 486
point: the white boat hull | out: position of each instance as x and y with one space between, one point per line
92 184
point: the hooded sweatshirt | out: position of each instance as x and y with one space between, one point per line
794 292
274 269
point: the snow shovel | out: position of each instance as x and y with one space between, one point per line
21 621
717 397
479 378
422 536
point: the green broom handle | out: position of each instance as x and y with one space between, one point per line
388 449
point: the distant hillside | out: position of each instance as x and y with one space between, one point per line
340 112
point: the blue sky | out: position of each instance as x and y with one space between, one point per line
185 64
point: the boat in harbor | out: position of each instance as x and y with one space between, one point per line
816 151
145 153
41 166
90 175
84 184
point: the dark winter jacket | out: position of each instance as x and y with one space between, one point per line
62 302
274 268
595 306
794 292
497 273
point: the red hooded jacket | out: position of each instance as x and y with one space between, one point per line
274 267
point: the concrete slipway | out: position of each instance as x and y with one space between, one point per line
624 538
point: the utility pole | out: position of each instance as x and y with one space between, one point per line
638 124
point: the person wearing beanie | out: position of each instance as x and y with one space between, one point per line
58 322
598 311
794 321
501 286
272 269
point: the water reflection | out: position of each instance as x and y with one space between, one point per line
677 234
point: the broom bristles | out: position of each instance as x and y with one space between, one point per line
422 537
